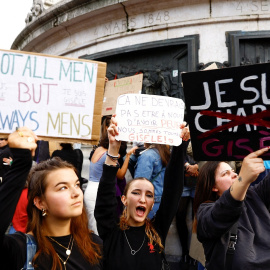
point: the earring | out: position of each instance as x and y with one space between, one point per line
44 213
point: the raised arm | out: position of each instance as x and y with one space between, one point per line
106 203
252 166
22 144
173 187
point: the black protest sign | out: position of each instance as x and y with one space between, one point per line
228 111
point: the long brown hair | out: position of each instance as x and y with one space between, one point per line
164 152
205 183
79 225
104 139
150 231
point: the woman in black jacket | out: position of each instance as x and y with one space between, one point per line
137 242
56 217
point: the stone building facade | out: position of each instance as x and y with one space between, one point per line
160 38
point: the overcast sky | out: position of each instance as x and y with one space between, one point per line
12 20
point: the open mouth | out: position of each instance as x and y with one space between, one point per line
140 210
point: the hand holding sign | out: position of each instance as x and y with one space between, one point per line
150 119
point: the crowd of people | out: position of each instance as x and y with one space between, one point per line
51 218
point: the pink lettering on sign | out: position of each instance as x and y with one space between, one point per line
149 138
215 148
34 92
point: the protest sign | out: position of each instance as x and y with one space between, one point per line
116 88
228 111
149 118
56 97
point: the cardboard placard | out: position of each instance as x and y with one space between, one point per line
116 88
149 118
56 97
228 111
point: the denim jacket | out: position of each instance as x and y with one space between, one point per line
149 165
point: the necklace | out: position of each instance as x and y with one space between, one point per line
68 250
132 251
65 262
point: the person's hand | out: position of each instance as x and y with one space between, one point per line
252 166
132 151
23 138
114 145
192 170
7 160
185 134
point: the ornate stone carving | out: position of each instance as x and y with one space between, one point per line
36 9
49 3
148 85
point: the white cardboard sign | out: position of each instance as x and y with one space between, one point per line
54 96
149 118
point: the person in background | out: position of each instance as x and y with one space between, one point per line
266 164
56 217
137 242
151 164
5 158
224 199
134 157
42 152
74 157
19 220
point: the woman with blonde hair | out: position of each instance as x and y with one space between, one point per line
137 242
57 222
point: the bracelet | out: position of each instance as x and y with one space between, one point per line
115 158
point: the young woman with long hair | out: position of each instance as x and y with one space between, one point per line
137 242
223 199
56 216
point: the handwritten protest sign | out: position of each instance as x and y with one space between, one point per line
228 111
116 88
149 118
54 96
